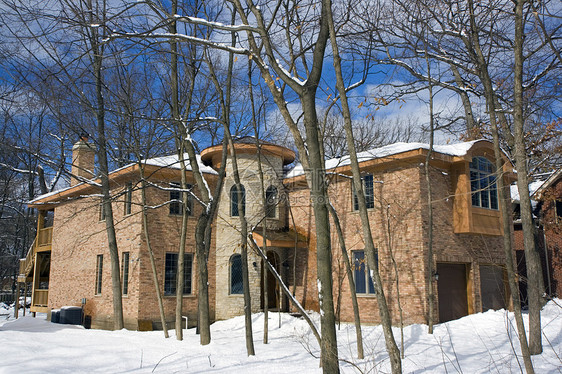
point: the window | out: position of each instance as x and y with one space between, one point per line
128 199
234 201
99 272
558 210
362 274
171 270
270 201
483 183
125 272
369 192
236 283
102 211
176 203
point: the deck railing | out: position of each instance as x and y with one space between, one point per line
26 264
45 236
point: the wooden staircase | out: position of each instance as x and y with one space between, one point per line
31 266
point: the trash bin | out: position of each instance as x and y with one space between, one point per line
55 316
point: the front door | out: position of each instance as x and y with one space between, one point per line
272 286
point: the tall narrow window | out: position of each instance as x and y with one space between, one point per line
125 272
128 199
171 270
362 274
102 210
558 210
176 202
483 183
271 202
234 212
367 181
99 272
236 284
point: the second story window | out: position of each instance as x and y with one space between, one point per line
102 211
270 201
176 204
483 183
128 199
369 192
234 212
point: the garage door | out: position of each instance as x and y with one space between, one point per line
451 285
492 287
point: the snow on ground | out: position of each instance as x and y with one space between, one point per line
480 343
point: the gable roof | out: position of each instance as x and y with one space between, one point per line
455 150
537 194
164 162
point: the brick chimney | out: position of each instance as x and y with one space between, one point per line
83 160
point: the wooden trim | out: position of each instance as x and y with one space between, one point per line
116 178
213 154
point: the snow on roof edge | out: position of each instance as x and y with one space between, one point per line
171 161
457 149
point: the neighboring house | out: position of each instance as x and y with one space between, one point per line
546 196
69 263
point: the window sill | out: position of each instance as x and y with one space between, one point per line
366 295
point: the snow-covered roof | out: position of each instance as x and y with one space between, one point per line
458 149
533 187
537 187
171 161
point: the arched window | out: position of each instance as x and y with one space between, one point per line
236 284
270 201
483 183
234 201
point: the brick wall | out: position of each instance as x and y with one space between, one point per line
79 236
399 223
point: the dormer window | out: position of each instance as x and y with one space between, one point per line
483 183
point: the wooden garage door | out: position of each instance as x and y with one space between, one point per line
452 295
492 287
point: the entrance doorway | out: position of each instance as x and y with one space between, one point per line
272 285
453 300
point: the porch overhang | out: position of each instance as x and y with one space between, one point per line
285 238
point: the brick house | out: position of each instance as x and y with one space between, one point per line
546 195
69 262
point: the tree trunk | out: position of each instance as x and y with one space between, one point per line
430 270
318 195
349 273
151 255
391 346
507 223
535 287
105 190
